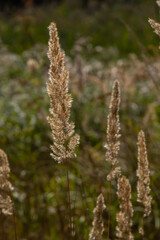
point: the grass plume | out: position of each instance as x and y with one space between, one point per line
154 24
6 188
143 174
98 225
124 217
64 138
113 143
113 127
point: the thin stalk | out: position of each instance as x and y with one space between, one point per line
109 207
69 200
61 220
15 228
3 233
109 211
84 199
142 234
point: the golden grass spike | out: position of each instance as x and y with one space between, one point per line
97 224
64 138
6 188
124 217
113 135
155 26
143 174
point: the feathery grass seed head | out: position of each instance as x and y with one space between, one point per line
97 224
64 138
113 128
155 26
124 217
143 174
6 188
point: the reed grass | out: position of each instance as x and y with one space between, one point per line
64 138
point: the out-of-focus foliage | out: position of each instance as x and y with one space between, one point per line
96 44
120 26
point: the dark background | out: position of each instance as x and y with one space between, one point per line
83 3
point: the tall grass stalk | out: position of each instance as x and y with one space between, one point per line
112 143
143 184
15 226
64 138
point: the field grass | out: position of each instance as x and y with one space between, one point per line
101 44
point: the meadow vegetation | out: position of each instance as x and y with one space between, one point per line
115 43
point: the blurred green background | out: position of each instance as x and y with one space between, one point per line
103 41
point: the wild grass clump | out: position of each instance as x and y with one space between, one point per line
65 142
